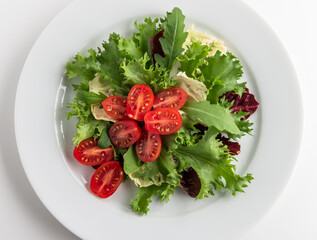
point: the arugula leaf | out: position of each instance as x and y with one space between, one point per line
193 57
212 164
221 73
131 161
174 37
212 115
90 97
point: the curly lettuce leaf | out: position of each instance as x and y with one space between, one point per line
146 30
137 72
174 37
145 194
221 74
212 164
155 178
193 58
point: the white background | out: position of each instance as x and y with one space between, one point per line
22 215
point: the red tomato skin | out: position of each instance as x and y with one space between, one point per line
88 153
115 107
140 101
148 147
106 179
174 97
124 133
163 121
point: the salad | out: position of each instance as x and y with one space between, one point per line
164 108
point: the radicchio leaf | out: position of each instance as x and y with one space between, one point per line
156 47
245 103
190 182
234 147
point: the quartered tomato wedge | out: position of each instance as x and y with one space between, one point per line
139 102
116 107
124 133
148 147
163 121
106 179
174 97
88 152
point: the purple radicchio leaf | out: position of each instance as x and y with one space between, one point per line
234 147
156 47
190 182
246 103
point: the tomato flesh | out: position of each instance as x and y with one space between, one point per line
106 180
139 102
174 97
163 121
124 133
88 153
115 107
148 147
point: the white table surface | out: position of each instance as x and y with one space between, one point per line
23 216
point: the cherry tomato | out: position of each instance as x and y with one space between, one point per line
139 102
163 121
148 147
106 179
88 152
174 97
124 133
116 107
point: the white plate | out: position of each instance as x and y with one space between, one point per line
44 137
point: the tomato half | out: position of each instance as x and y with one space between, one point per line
148 147
88 152
106 179
163 121
139 102
124 133
115 107
174 97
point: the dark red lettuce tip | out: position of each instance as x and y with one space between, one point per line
190 182
234 147
245 103
156 47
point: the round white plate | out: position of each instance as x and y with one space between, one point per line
44 137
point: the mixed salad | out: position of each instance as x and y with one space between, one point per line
163 108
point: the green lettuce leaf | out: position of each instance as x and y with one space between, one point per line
212 164
110 59
174 37
90 97
221 73
130 48
212 115
146 30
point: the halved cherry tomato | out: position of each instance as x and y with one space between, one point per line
148 147
163 121
174 97
124 133
88 152
139 102
106 179
116 107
